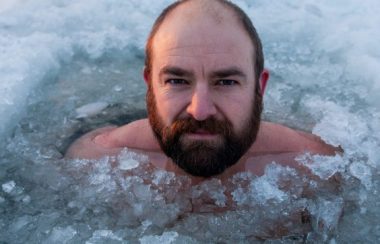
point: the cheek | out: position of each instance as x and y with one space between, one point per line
238 108
239 113
169 106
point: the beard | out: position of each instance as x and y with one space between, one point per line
204 158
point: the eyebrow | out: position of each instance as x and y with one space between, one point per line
227 72
172 70
217 74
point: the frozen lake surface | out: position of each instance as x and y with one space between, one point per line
67 67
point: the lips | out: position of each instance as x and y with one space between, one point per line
203 132
201 135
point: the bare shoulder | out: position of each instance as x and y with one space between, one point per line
277 138
86 148
137 134
110 140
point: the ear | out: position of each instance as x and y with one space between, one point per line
146 73
264 77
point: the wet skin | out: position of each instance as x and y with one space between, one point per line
202 67
274 143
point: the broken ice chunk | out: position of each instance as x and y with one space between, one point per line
213 189
86 70
264 190
272 186
103 236
142 192
26 199
362 172
117 88
240 196
145 224
128 164
131 159
20 223
9 186
165 238
327 212
323 166
162 177
90 109
99 179
61 235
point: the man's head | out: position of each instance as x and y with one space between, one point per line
204 70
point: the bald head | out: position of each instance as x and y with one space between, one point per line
199 15
194 9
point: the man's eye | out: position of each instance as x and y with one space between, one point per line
226 82
176 82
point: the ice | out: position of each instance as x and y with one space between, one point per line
268 187
90 109
118 88
61 235
146 224
86 70
36 37
8 186
26 199
323 166
162 177
363 173
338 123
102 236
369 148
8 5
332 241
271 187
142 192
100 179
328 213
241 180
128 164
212 188
265 191
20 223
165 238
57 56
131 159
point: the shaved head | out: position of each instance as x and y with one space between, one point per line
191 9
222 12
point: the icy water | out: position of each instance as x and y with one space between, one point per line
67 67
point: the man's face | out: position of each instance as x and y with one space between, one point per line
200 97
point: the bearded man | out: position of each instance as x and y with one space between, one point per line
205 76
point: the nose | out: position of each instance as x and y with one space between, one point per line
201 106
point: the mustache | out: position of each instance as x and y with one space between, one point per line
211 125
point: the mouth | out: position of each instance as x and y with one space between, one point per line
201 135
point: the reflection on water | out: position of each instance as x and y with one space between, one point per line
324 62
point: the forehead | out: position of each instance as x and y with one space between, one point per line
194 33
